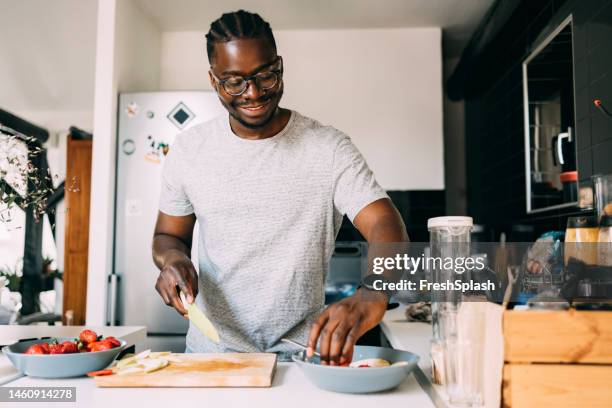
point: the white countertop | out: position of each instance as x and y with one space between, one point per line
416 338
290 387
12 333
410 336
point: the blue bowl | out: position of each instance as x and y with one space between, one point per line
59 365
360 380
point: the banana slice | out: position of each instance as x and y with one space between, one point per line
370 362
173 359
144 362
130 370
153 364
157 354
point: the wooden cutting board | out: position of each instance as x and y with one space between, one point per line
203 370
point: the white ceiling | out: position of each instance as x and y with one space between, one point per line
47 47
458 18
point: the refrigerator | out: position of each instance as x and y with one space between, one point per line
148 122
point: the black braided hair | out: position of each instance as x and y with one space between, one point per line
235 25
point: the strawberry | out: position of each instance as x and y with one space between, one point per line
99 346
88 336
56 349
35 349
69 347
113 341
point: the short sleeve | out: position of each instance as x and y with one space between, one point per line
354 184
173 200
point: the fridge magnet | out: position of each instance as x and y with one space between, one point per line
156 149
180 115
132 109
152 158
164 148
128 146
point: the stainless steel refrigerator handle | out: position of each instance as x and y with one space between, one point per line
112 299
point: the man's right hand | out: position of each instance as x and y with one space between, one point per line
171 249
178 272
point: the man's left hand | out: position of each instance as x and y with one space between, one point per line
340 326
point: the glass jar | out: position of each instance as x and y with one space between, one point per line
604 246
448 237
603 195
581 237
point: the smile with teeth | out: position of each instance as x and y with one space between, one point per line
255 108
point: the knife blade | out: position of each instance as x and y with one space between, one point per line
200 320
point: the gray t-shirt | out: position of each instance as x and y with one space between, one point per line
268 213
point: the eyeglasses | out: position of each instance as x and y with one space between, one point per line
237 85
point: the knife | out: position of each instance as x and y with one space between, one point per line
200 320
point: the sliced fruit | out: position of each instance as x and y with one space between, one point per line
173 359
370 362
99 373
156 354
143 354
130 370
153 364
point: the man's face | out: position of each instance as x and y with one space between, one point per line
245 57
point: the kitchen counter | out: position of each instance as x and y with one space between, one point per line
414 337
11 333
290 387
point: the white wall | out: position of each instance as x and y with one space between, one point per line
127 59
344 78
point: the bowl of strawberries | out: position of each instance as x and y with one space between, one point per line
64 357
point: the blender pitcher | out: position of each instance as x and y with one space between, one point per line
603 195
445 233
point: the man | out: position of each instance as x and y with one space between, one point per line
268 187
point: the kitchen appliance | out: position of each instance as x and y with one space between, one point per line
203 370
581 240
604 247
148 123
603 195
448 237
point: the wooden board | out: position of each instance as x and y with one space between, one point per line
558 336
203 370
557 385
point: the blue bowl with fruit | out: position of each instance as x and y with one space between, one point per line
64 357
